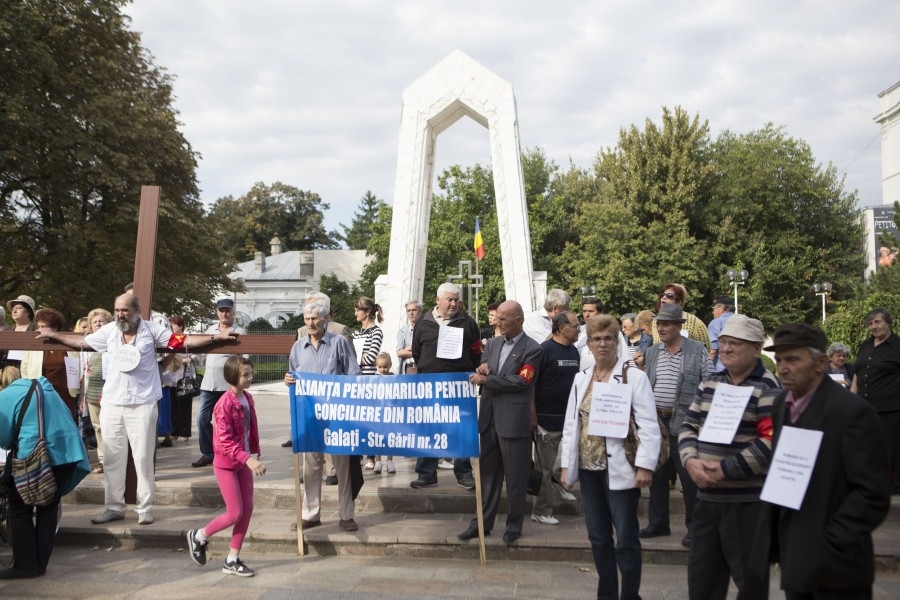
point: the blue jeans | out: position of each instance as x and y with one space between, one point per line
605 509
208 401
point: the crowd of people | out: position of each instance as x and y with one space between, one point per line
545 379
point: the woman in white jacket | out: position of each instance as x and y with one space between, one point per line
610 479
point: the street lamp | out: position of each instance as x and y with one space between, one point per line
588 290
822 289
736 278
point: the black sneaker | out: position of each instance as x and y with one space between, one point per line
238 568
466 482
196 549
423 482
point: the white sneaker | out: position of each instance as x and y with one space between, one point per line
563 492
545 520
444 463
145 518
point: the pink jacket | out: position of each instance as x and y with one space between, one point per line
228 431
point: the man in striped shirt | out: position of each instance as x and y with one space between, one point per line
730 475
675 367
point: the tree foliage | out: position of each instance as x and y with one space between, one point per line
358 234
247 224
342 298
87 118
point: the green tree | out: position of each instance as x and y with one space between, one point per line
342 298
357 235
87 118
247 224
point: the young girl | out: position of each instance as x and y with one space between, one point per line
235 436
383 366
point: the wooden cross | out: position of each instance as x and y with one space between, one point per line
144 262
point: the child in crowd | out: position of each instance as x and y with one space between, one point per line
383 367
235 437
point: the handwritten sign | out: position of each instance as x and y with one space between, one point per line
610 409
450 342
126 358
725 413
73 373
792 466
426 415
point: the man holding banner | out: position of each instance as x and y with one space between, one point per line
324 352
445 340
507 374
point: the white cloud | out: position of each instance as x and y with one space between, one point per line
308 93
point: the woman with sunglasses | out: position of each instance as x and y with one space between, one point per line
694 328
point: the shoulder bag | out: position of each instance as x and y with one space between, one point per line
33 474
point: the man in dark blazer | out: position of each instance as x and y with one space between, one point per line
508 370
825 548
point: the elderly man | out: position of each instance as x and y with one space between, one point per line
130 393
214 385
405 335
825 547
424 348
321 351
537 325
723 309
675 367
559 365
510 365
730 474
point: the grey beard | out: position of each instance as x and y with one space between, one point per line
126 326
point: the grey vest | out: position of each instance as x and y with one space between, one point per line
691 376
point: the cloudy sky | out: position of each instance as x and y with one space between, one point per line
308 93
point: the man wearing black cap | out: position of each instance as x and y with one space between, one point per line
723 309
825 548
214 385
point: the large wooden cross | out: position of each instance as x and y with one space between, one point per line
144 262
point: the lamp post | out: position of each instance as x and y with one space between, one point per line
736 278
822 289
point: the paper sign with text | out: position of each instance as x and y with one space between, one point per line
610 409
792 466
725 413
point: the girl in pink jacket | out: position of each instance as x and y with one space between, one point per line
235 437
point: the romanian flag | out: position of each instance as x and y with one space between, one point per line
479 241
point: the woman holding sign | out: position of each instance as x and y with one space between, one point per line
367 343
605 401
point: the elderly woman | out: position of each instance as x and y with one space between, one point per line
180 364
637 340
95 367
34 527
694 328
838 368
877 380
52 363
610 476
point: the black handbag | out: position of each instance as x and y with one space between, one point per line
188 386
536 477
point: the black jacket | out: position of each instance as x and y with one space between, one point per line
424 345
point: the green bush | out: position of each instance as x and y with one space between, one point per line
847 324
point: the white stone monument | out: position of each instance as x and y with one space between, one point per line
456 87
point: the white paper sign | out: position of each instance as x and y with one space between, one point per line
610 409
73 373
450 342
358 345
838 377
792 466
126 358
725 413
15 355
3 455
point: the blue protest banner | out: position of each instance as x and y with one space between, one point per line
403 415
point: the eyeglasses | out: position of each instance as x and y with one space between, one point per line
668 295
603 340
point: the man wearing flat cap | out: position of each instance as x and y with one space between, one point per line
729 473
214 385
825 548
675 367
723 309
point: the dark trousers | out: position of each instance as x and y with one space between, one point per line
605 511
182 407
722 549
33 528
426 468
509 459
659 490
204 420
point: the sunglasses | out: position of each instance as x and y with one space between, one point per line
668 295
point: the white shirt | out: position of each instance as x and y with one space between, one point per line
538 326
141 385
214 375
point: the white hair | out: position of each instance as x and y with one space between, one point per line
447 288
318 297
320 309
557 298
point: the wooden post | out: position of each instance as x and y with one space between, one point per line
145 251
479 512
298 501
